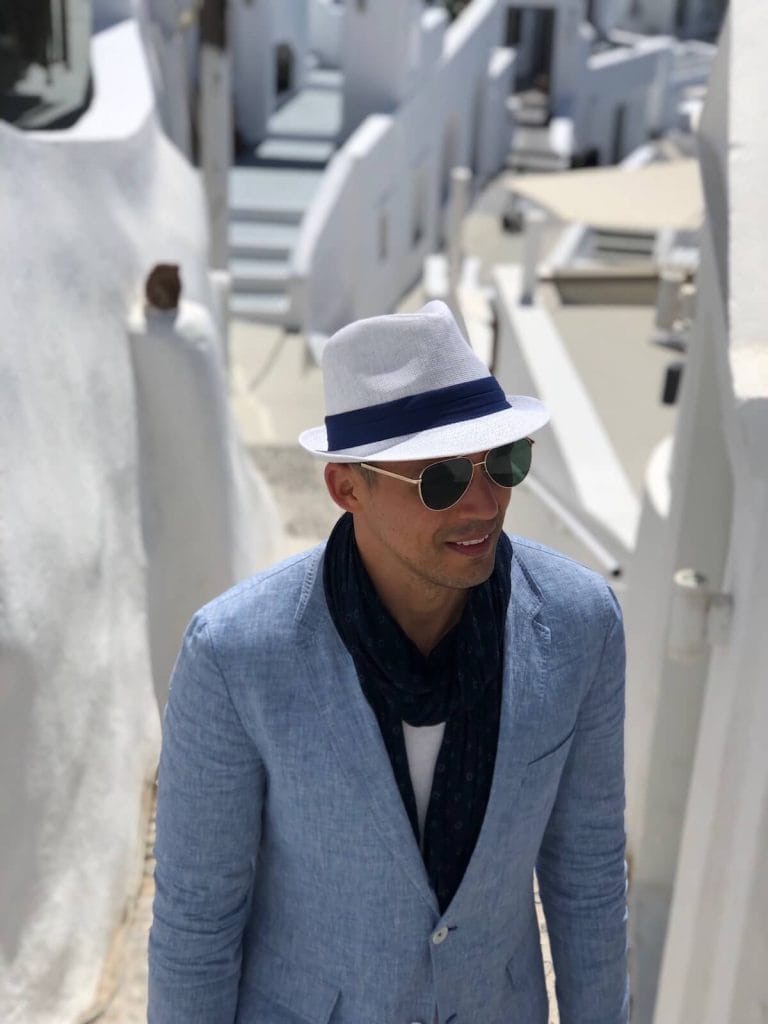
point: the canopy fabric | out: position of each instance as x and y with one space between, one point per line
660 195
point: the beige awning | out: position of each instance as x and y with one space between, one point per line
661 195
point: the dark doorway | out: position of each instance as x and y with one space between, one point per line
512 30
531 31
283 68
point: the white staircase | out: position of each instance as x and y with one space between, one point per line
270 189
533 149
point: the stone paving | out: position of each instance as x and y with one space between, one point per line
124 985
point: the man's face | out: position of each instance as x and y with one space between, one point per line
416 546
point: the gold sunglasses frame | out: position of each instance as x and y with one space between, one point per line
453 458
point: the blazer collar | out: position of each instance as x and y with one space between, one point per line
312 611
354 731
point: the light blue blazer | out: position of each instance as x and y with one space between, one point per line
290 889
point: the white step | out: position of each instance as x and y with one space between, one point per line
271 194
313 113
266 213
325 78
261 240
634 241
268 309
264 276
295 151
538 161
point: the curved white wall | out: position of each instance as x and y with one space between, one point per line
292 27
253 68
378 211
257 29
85 215
698 773
207 517
326 21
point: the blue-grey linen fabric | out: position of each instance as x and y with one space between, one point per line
290 887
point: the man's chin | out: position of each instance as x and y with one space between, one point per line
467 576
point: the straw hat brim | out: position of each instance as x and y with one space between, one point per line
466 437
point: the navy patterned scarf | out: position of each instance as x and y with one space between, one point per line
458 683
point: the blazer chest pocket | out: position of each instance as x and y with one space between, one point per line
305 995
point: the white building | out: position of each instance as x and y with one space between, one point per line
697 700
419 96
387 52
270 50
697 19
591 92
380 208
126 502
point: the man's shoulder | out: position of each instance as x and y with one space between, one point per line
273 596
560 582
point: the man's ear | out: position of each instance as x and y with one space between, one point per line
344 485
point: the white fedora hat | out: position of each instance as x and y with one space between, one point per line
409 386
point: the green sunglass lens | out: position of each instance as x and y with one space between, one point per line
444 483
508 465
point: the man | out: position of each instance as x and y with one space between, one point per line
370 747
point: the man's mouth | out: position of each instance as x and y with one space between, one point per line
472 543
472 546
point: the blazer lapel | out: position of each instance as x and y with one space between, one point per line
354 731
525 655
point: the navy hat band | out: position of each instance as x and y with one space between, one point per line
415 413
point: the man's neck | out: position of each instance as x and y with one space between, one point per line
425 630
425 612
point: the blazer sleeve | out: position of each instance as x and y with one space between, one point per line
210 794
581 868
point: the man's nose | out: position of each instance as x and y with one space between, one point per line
480 500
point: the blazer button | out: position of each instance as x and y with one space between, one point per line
439 936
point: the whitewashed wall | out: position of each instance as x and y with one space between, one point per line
633 82
663 16
608 14
326 22
381 57
605 14
257 29
291 27
86 214
492 128
717 947
698 776
378 211
253 67
615 80
570 46
170 33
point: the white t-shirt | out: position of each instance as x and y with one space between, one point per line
422 745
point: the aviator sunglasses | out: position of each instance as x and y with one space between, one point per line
443 484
